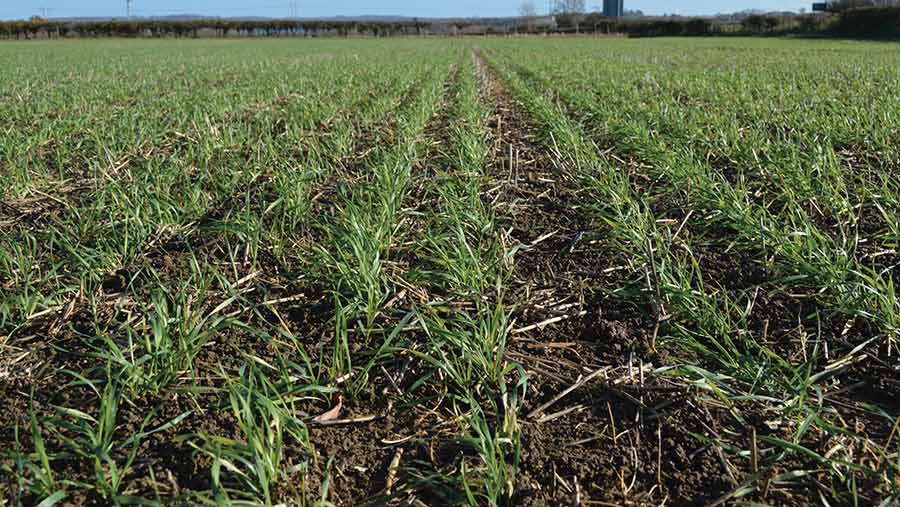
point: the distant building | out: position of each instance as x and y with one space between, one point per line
613 8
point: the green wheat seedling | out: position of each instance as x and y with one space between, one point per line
251 468
161 350
94 441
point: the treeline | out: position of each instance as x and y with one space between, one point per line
596 23
875 22
41 28
588 24
673 27
868 22
856 22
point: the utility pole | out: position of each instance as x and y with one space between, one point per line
129 9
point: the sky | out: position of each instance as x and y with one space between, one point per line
20 9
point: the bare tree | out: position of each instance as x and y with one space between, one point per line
528 11
569 6
571 9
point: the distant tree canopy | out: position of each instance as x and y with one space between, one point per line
568 13
760 23
528 13
869 22
589 23
218 27
857 22
569 6
844 5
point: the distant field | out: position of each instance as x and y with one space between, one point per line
425 272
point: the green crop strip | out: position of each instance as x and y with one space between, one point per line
708 320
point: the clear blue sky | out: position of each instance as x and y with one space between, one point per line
17 9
